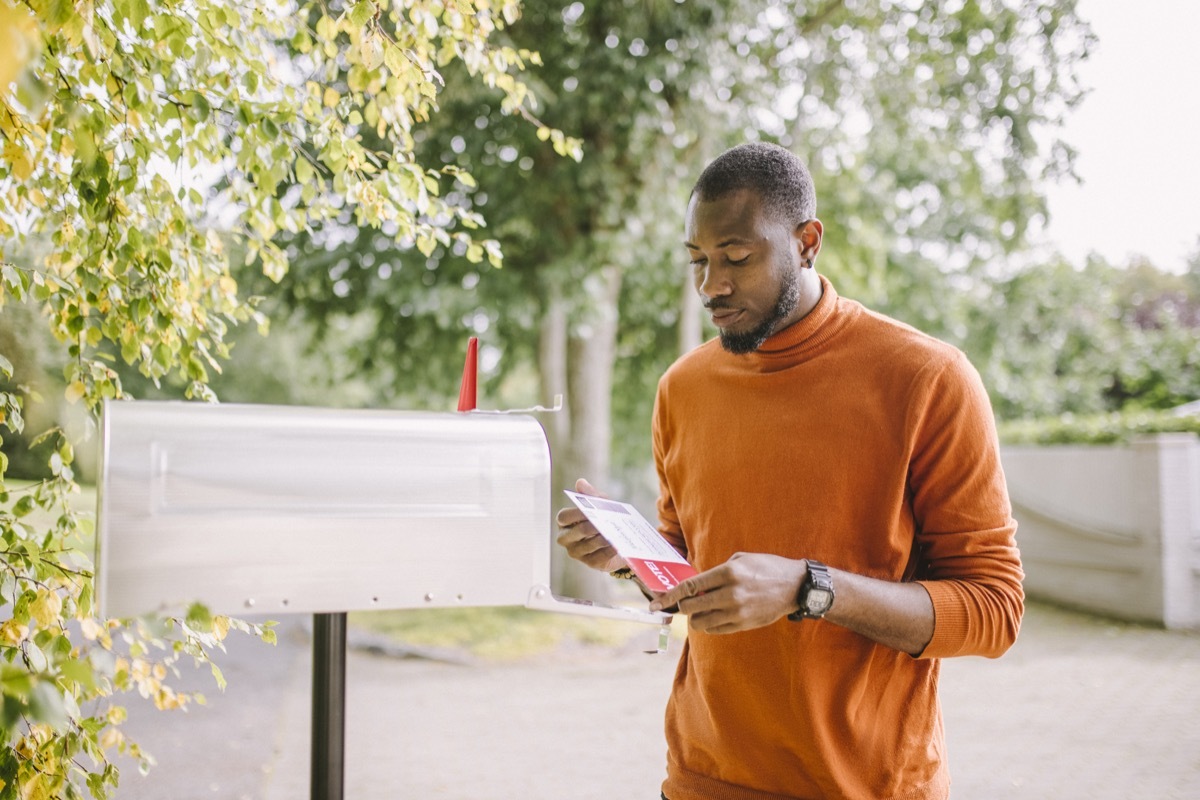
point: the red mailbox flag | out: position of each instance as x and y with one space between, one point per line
468 389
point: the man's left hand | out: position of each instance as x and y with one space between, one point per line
748 591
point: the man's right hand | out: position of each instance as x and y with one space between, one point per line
582 540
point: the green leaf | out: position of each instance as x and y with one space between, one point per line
361 13
326 28
200 107
200 618
81 672
15 681
6 367
23 506
46 704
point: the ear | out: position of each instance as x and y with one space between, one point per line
808 236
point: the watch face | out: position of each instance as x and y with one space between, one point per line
818 600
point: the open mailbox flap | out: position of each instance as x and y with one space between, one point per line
272 509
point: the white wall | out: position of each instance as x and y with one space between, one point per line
1113 529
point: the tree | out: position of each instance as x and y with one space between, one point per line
144 141
1054 339
929 128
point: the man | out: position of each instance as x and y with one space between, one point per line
834 476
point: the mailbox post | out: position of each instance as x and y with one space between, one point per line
285 510
327 776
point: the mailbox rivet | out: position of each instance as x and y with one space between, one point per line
249 602
460 598
285 601
428 597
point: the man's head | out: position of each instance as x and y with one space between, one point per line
777 175
752 238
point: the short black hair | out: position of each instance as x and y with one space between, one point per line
777 174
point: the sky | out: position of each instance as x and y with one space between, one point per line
1138 137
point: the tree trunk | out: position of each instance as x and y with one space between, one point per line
690 334
552 371
592 353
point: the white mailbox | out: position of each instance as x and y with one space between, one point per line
270 509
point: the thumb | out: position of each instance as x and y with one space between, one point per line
583 487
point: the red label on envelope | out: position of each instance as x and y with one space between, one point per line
659 576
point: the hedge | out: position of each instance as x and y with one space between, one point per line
1118 427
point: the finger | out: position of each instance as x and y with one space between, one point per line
706 603
715 627
582 546
583 487
595 544
695 585
578 533
712 621
604 560
568 516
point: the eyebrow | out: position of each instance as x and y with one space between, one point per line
724 243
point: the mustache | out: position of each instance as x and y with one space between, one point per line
716 304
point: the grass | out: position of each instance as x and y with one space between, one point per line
507 633
503 634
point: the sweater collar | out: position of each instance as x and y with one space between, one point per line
808 333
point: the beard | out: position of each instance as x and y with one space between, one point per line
785 304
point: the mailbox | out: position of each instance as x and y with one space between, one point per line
270 509
277 509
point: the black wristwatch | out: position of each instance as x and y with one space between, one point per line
816 593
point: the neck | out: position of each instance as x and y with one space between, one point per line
810 295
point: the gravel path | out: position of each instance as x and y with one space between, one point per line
1081 707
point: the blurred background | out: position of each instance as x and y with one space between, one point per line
1016 177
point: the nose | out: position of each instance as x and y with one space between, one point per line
712 281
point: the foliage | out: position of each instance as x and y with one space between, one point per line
1117 427
145 143
929 128
1052 339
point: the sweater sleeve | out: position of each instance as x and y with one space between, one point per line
969 562
668 518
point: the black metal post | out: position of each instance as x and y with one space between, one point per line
329 706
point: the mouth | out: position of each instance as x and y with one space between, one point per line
724 317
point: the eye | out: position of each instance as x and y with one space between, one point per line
737 262
698 262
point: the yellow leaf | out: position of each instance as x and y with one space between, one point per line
11 632
18 160
33 788
331 97
74 392
18 40
46 608
91 629
371 51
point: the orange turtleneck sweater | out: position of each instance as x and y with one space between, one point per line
862 443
